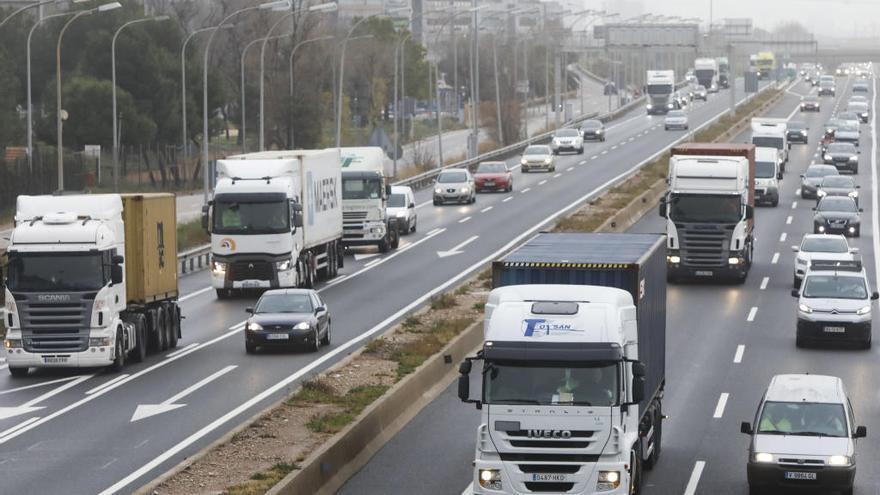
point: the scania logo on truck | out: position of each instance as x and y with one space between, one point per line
548 433
539 327
53 298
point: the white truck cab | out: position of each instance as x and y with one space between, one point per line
772 133
365 220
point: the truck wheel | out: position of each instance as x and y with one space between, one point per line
159 330
222 294
326 339
140 330
385 245
119 361
635 478
395 237
18 372
657 440
332 263
174 326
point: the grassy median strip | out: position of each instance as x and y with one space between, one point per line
260 455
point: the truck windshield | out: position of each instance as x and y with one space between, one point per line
767 142
705 209
810 419
360 188
659 89
765 170
574 384
62 272
232 216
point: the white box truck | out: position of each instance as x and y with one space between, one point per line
91 281
275 220
660 86
772 133
365 193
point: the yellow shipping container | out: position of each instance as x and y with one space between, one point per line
150 247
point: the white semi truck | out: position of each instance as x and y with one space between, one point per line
91 281
660 86
709 211
275 220
573 368
706 70
365 194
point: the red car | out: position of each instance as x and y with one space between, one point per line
493 176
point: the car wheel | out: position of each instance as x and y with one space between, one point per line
754 490
795 282
250 348
867 344
316 342
414 225
17 372
326 339
798 341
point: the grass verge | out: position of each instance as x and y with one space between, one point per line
190 235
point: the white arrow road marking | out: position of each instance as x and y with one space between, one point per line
456 249
37 385
358 257
144 411
31 405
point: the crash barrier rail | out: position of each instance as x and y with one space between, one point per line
194 259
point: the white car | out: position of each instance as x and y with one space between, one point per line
402 206
824 246
676 119
567 140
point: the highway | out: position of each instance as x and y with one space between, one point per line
724 343
73 422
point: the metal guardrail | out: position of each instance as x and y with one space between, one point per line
194 259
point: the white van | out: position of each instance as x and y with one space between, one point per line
772 133
767 176
402 206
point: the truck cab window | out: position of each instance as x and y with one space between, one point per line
575 384
244 216
73 272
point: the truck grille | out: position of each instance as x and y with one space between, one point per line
548 487
250 270
580 439
354 215
704 246
61 326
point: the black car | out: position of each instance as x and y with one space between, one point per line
285 318
798 132
860 87
838 185
810 103
844 156
837 215
593 129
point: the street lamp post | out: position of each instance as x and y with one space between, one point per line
36 5
296 47
205 131
113 75
58 112
247 47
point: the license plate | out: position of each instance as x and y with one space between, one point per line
799 475
760 192
55 359
490 183
834 329
549 477
250 284
704 273
277 336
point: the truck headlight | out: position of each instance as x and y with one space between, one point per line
733 261
863 311
490 478
608 480
283 266
839 460
821 193
670 106
303 325
821 229
803 308
218 267
649 106
853 194
673 259
12 343
763 457
253 327
99 342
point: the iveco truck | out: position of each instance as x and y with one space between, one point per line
91 281
365 200
275 220
573 366
723 72
706 70
709 211
660 86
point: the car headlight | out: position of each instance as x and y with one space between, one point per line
218 267
853 194
803 308
490 478
853 158
99 342
803 133
523 162
839 460
599 131
650 106
465 189
733 261
763 457
670 105
283 266
829 131
548 161
253 327
863 311
800 261
401 214
440 190
608 480
827 157
12 343
303 325
821 228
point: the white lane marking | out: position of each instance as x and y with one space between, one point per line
31 405
752 313
507 199
458 248
526 190
691 488
789 220
722 403
426 203
144 411
583 162
875 223
37 385
793 205
594 157
542 182
432 232
182 349
465 219
783 236
18 426
738 357
797 192
605 152
335 281
557 176
280 385
775 259
364 256
107 384
195 294
631 138
484 210
764 283
613 148
569 169
371 263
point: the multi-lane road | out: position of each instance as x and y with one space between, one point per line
63 431
724 344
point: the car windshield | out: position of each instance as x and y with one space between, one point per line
835 287
567 133
361 188
537 150
825 244
591 124
841 148
848 116
765 170
811 99
452 177
397 201
676 114
803 418
575 384
248 215
57 272
821 171
857 106
491 168
848 128
834 203
284 303
838 181
796 126
705 209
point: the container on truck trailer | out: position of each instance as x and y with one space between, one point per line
574 360
91 280
709 211
275 220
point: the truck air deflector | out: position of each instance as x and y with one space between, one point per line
552 351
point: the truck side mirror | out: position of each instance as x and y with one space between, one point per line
296 215
116 274
638 388
861 432
750 212
464 383
117 259
778 175
746 427
206 218
387 190
661 209
639 369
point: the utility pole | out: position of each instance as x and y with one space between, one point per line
557 87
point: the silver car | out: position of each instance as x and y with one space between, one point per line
455 185
676 119
538 157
